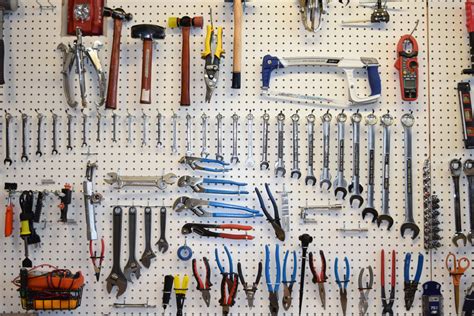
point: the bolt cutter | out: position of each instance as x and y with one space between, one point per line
342 284
273 288
193 162
411 286
196 206
320 278
211 68
288 284
364 290
196 183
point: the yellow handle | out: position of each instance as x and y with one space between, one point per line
219 50
183 287
207 43
25 228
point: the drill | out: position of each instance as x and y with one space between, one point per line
470 29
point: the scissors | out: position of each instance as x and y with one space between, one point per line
456 268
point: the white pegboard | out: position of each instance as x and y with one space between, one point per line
271 27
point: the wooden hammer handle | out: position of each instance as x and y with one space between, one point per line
185 64
145 97
111 102
238 12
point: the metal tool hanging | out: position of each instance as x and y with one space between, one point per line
312 12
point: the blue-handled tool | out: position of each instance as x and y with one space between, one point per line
342 284
273 288
288 284
229 258
197 184
196 164
196 206
411 286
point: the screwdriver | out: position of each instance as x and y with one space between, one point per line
470 28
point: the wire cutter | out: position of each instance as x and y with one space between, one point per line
211 68
456 268
342 284
229 284
364 290
196 183
273 289
288 284
94 257
203 286
388 303
196 206
274 221
201 230
193 162
250 290
411 286
320 278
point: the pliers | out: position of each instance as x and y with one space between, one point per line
364 290
250 290
273 289
343 283
193 162
201 230
411 286
94 257
274 221
388 303
203 286
230 280
320 278
288 284
196 183
196 206
211 68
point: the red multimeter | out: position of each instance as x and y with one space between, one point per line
407 66
86 15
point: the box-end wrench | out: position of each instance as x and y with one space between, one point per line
455 166
370 121
469 172
69 131
280 170
295 171
39 121
84 128
310 178
8 119
386 121
264 164
204 123
408 120
148 254
355 187
340 182
189 136
326 175
162 243
250 162
174 122
114 126
24 140
219 155
130 118
159 119
145 128
132 265
235 130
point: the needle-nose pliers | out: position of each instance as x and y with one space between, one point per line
343 283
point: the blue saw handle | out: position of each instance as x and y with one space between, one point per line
374 80
233 207
269 64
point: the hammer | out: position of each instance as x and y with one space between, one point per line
148 33
185 23
237 63
5 5
119 16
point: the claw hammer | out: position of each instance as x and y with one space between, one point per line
5 5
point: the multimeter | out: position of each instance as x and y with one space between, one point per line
407 66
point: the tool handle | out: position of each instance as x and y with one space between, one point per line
9 220
167 288
470 15
2 49
382 269
117 235
147 61
457 205
236 69
147 227
393 272
38 207
162 222
233 207
235 237
223 181
185 65
200 284
235 226
233 215
111 102
217 191
374 80
132 230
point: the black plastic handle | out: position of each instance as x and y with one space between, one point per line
147 228
162 222
117 236
132 230
2 61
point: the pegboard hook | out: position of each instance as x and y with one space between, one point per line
416 25
49 6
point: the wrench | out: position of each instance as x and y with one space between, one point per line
355 187
386 121
24 123
370 121
84 128
116 277
407 121
264 165
162 243
235 125
280 164
295 171
189 136
340 182
114 126
219 155
145 128
159 118
310 178
326 175
469 172
148 254
250 162
455 166
8 118
129 126
132 265
159 182
69 131
204 119
99 125
174 120
39 117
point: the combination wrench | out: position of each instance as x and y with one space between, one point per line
235 126
264 164
455 167
204 123
310 178
280 164
219 155
386 121
8 118
39 121
145 128
326 175
340 182
189 135
159 119
469 172
174 122
295 171
84 128
132 265
250 162
69 131
114 126
355 187
24 140
370 121
408 120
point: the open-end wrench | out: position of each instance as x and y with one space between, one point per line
355 187
69 131
130 118
24 140
174 122
386 121
159 119
99 126
189 136
264 164
219 155
145 128
148 254
310 178
162 243
280 164
250 162
235 130
469 172
295 171
39 121
340 182
370 121
116 277
132 265
455 166
8 159
407 121
159 182
326 175
204 123
84 128
114 126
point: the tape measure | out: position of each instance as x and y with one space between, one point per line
407 66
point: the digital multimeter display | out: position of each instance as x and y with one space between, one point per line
409 84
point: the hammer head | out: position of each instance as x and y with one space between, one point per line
242 1
148 32
117 13
186 21
8 5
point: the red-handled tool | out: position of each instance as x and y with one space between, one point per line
388 303
470 29
202 229
203 286
10 188
407 66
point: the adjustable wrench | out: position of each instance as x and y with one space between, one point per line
189 136
8 118
250 162
114 126
174 121
69 131
355 187
132 265
370 121
280 164
219 155
162 243
340 182
455 167
310 178
84 128
39 117
148 254
326 175
264 165
295 171
204 119
235 125
159 118
469 172
145 128
129 126
407 121
99 125
24 131
116 277
386 121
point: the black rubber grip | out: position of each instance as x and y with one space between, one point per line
236 80
2 61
